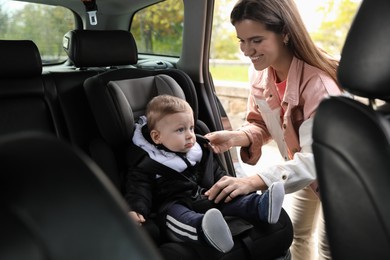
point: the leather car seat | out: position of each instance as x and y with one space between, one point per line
56 204
26 101
351 142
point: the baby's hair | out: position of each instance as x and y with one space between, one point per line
163 105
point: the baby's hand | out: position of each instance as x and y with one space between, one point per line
138 218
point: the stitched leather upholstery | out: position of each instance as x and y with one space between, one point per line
351 142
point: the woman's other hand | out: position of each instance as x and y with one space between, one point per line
228 187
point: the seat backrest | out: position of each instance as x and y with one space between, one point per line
118 98
351 142
26 102
91 52
67 209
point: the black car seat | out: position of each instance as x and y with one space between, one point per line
351 142
26 102
117 99
56 204
91 56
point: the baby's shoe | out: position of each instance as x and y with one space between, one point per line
271 202
216 231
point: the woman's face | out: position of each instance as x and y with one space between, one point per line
264 48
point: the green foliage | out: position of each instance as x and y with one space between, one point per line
338 16
224 42
3 23
158 29
224 45
37 23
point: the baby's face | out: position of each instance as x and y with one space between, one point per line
176 132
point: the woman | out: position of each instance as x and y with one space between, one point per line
289 77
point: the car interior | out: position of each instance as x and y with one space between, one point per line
351 142
66 128
66 134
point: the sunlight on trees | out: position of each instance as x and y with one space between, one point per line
337 19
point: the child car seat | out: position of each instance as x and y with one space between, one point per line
117 99
351 142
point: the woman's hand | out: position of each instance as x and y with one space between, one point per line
138 218
228 187
220 141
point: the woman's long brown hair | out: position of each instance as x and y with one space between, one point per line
282 17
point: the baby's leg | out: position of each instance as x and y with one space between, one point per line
211 228
264 207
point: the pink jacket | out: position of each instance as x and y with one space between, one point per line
306 87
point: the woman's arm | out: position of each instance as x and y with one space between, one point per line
298 172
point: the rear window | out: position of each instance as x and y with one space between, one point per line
158 29
43 24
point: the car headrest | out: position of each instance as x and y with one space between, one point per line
364 67
118 104
93 48
19 59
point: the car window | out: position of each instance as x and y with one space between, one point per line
158 29
43 24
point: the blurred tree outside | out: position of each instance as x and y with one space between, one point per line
224 42
158 29
337 19
38 22
3 22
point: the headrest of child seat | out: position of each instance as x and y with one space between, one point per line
93 48
120 103
19 59
365 60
